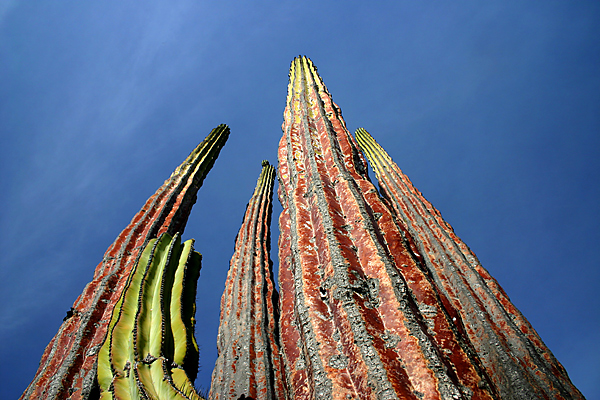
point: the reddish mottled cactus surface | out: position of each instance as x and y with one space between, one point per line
362 313
68 365
249 363
513 355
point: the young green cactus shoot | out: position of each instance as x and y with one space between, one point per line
150 350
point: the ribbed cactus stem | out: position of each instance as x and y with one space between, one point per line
359 318
249 363
150 335
517 362
68 365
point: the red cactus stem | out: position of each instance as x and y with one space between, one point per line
359 318
68 366
517 361
249 363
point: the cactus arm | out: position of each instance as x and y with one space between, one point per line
137 359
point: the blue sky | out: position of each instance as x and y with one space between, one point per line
491 108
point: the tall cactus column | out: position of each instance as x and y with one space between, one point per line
249 363
68 365
359 317
515 358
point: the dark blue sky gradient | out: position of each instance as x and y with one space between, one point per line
492 109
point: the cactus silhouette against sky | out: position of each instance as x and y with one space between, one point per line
378 298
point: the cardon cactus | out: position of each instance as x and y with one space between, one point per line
150 351
68 366
367 309
509 350
249 363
